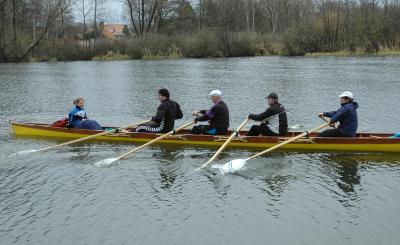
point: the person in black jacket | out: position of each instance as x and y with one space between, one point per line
274 119
218 117
164 120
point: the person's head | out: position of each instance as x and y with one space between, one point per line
163 94
80 102
216 96
272 98
346 97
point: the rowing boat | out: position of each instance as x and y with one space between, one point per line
363 142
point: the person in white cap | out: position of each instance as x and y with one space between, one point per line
217 115
346 116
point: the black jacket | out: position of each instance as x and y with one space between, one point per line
275 117
167 112
218 116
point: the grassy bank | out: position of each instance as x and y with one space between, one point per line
344 53
206 44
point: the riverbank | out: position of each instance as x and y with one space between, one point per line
343 53
118 56
203 44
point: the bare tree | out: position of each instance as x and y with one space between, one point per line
51 10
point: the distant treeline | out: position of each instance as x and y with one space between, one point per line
46 29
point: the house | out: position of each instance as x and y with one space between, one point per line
113 31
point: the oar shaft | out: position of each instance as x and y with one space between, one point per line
288 141
91 136
155 140
226 143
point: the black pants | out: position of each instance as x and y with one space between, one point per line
207 129
333 133
262 129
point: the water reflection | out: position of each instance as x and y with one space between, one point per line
167 167
346 173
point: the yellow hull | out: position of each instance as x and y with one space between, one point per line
312 144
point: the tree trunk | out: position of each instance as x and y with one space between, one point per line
84 24
2 34
95 23
142 20
337 26
132 18
14 26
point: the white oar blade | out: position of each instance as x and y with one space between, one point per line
230 167
21 153
296 126
106 162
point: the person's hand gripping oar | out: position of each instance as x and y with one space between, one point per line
25 152
109 161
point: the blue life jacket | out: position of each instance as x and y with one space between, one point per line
396 135
76 115
347 117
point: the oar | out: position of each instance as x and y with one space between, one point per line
235 133
110 161
328 120
237 164
20 153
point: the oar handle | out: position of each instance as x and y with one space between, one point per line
288 141
156 139
216 154
327 120
92 136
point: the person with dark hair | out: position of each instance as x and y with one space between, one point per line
273 120
167 113
346 116
218 117
77 117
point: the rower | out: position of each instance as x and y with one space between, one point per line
167 113
77 117
346 116
217 115
274 119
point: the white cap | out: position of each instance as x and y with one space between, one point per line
216 93
347 94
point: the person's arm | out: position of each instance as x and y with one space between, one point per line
339 114
160 115
70 117
179 113
268 113
207 115
201 117
80 114
329 114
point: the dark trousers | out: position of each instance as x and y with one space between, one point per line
334 132
89 124
207 129
262 129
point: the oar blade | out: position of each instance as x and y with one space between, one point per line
22 153
296 127
230 167
106 162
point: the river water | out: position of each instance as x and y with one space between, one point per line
60 197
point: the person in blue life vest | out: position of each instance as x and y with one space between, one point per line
77 117
346 116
